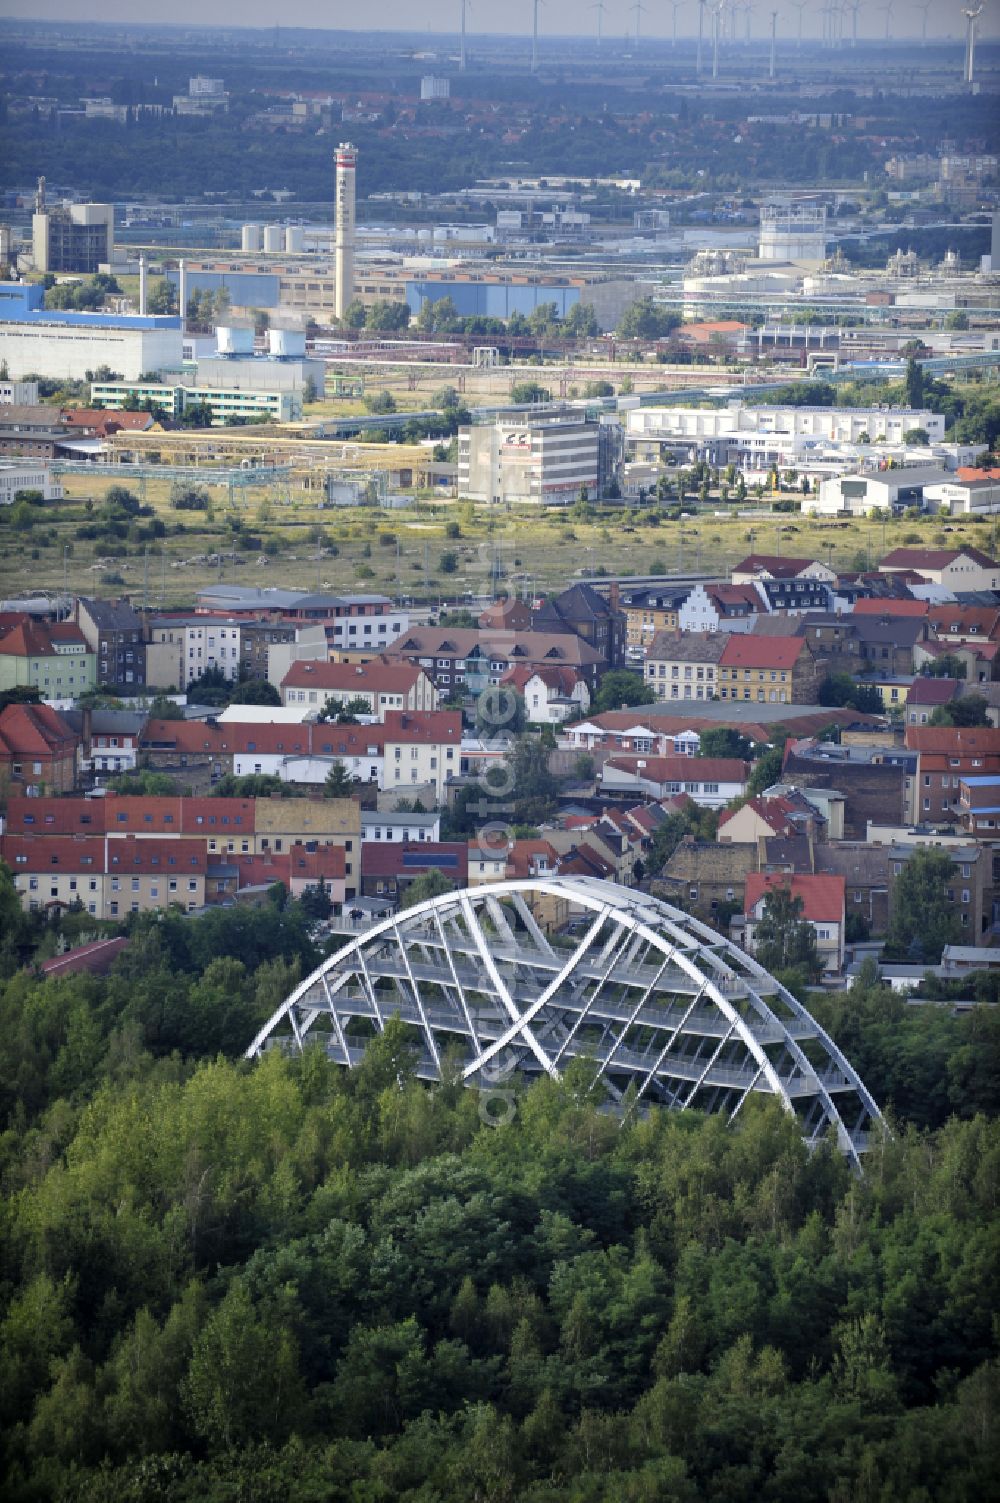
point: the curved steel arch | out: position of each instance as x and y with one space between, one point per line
661 1002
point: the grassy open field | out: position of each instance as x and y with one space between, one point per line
297 544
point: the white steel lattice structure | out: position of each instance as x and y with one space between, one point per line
659 1001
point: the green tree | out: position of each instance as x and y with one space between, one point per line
621 687
645 319
338 782
914 381
783 939
921 918
243 1382
971 709
766 770
842 689
529 394
723 741
255 691
429 885
500 709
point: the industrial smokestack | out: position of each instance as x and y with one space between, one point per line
142 286
347 161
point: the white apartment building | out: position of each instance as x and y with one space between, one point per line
547 460
181 649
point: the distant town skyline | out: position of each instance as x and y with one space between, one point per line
555 18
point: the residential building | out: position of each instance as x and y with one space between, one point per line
589 615
387 871
282 823
766 817
38 750
648 610
182 648
466 660
823 907
685 665
710 781
776 566
969 893
422 749
946 755
113 632
956 569
979 805
721 607
551 695
399 826
781 670
109 740
928 694
707 878
52 657
110 878
382 685
876 782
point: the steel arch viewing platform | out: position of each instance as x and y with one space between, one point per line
669 1011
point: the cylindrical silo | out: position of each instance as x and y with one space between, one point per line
295 240
274 239
250 239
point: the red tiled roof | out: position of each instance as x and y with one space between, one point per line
822 895
977 621
954 740
386 859
377 677
33 639
35 730
932 691
94 959
774 563
933 558
746 650
776 812
424 727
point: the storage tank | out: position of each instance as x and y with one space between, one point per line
235 339
295 240
250 239
274 238
286 342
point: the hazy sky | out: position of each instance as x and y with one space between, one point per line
554 17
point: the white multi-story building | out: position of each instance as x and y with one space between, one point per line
22 475
523 458
180 650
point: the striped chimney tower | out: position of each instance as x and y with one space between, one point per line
347 161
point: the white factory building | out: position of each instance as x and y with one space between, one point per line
61 345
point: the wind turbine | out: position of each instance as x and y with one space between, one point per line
888 7
774 24
599 7
676 6
800 6
971 16
638 9
701 32
716 26
461 50
925 7
534 34
855 6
